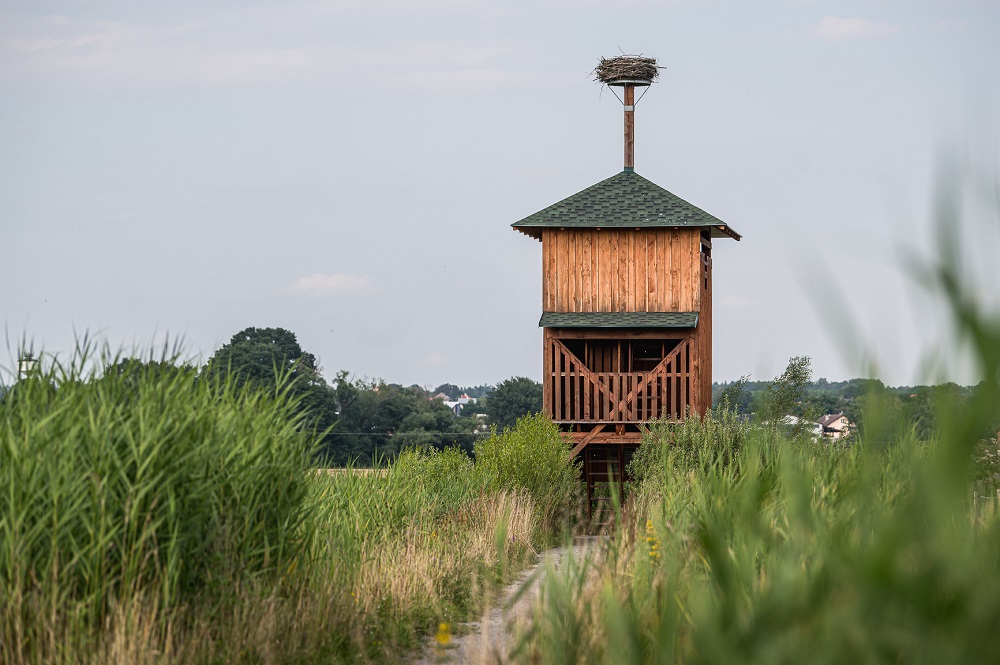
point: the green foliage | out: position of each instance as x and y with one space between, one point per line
733 394
472 409
454 392
270 359
379 420
671 452
478 392
919 403
511 399
134 371
533 457
145 480
986 468
783 549
258 355
358 508
449 389
151 505
786 390
446 478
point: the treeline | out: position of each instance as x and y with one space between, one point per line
917 405
361 421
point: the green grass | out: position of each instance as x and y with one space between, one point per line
168 488
789 550
155 516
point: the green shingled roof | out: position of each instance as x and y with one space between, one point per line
618 320
627 201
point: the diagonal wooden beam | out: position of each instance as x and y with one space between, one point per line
655 372
587 439
589 375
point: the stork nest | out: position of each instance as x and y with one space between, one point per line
626 68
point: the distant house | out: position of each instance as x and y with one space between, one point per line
835 425
815 429
456 405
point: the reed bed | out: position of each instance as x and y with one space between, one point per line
157 492
154 515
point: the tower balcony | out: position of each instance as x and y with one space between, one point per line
619 381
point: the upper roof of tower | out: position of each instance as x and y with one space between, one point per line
626 200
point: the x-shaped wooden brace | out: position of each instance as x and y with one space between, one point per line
653 374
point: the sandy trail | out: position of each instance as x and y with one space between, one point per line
491 638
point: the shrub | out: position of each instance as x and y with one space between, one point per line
534 457
444 477
670 451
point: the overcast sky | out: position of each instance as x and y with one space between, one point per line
349 170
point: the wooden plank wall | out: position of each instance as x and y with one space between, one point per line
602 270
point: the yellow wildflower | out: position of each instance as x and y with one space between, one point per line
444 634
652 541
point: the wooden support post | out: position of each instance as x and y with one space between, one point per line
548 373
629 126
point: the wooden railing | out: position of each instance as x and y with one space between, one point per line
576 394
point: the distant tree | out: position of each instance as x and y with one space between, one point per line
260 356
787 390
817 404
134 370
449 389
862 387
513 398
378 420
474 407
991 423
731 396
478 391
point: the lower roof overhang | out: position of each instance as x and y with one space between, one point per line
618 320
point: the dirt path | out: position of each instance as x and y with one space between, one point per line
490 639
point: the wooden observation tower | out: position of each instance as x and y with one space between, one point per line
626 303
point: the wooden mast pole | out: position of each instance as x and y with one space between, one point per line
629 126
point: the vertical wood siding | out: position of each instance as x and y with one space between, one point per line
645 270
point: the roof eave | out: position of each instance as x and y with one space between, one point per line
725 231
718 230
619 320
530 231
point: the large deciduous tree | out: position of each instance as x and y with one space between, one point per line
517 396
260 355
263 356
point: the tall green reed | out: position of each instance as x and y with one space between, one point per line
147 483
